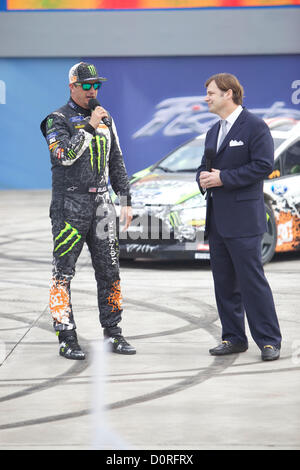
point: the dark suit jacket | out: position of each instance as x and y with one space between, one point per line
245 158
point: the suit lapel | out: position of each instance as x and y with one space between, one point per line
233 130
214 135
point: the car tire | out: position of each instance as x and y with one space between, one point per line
269 240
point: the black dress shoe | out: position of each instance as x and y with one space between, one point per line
270 353
226 347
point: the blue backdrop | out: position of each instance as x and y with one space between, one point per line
157 103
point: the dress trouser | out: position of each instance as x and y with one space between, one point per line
85 218
241 287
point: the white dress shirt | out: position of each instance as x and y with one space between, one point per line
230 120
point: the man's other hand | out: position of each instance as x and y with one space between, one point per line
126 217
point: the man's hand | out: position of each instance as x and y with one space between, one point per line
97 115
210 179
126 217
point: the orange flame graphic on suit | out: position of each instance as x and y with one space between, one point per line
115 297
59 301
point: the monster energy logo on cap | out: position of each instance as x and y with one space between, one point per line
92 69
84 72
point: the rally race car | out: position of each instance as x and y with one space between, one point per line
169 211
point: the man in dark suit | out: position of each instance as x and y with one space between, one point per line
243 155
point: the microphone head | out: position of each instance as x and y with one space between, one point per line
209 155
93 103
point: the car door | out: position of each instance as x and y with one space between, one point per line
286 197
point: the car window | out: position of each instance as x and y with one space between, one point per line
188 157
291 160
277 141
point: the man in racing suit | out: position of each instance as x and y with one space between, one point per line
85 152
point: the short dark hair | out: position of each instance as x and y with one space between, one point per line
227 81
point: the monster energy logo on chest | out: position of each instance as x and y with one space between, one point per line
100 144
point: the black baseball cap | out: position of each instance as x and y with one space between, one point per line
84 72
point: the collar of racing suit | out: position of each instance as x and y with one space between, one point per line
78 109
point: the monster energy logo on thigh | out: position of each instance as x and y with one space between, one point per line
73 237
101 148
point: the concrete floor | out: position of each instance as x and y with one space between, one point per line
172 394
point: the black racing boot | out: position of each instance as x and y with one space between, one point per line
68 345
118 344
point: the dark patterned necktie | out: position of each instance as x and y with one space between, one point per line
223 132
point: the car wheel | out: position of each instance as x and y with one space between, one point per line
269 240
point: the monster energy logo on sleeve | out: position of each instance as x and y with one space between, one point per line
71 154
73 237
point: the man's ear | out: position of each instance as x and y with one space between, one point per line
229 94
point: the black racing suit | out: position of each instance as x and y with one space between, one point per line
83 160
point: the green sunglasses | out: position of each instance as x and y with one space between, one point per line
88 86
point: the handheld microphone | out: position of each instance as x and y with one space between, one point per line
209 156
93 103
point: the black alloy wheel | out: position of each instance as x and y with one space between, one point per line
269 240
